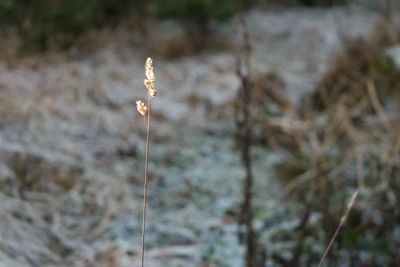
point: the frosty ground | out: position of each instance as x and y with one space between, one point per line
72 145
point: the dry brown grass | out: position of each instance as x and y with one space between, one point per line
348 138
44 221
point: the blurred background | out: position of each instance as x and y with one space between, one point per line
269 116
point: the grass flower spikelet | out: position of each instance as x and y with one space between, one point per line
141 107
150 78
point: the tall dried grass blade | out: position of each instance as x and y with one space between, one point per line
342 222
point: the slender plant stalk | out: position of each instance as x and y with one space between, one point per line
146 168
342 221
244 134
145 111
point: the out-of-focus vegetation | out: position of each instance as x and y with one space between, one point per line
348 138
47 24
319 2
59 22
200 10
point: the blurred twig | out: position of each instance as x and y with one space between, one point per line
244 134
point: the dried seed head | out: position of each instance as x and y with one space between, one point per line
150 78
149 70
152 92
141 107
149 85
150 75
149 62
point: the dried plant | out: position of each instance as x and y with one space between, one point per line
145 112
244 136
341 223
347 138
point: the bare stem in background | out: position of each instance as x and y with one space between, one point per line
342 221
244 134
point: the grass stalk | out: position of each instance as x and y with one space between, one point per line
145 111
342 222
146 169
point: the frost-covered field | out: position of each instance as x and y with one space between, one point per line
71 146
